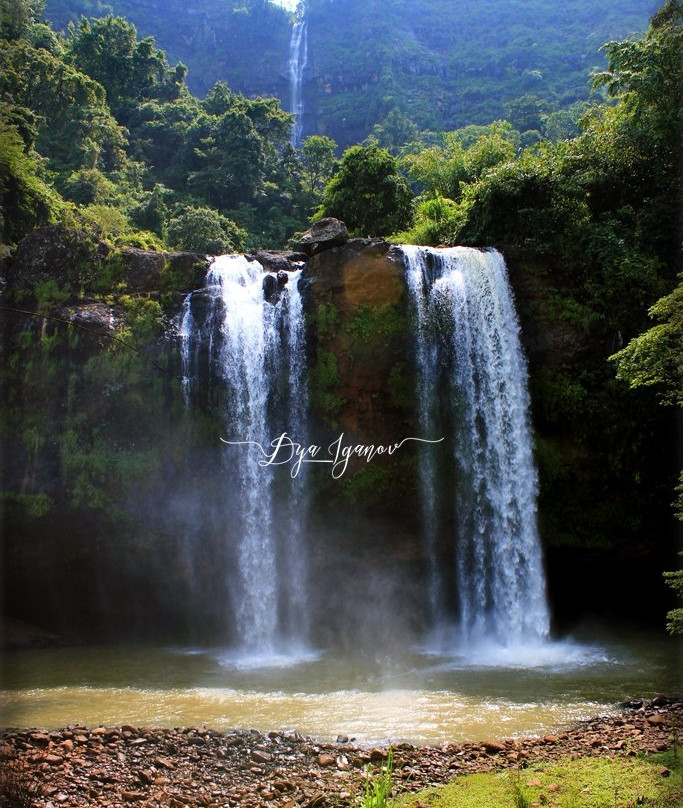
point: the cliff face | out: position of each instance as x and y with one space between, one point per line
107 480
356 302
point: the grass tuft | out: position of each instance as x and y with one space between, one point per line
378 786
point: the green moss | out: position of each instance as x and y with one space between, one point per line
401 387
49 295
84 460
325 319
569 310
324 378
324 375
32 506
558 396
368 485
583 783
377 483
143 320
130 467
110 275
174 277
376 324
32 440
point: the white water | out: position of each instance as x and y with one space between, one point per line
472 381
255 351
298 60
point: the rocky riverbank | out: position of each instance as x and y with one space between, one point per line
196 766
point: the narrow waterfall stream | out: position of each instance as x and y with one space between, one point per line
298 60
253 351
472 380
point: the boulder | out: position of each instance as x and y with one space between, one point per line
324 234
92 316
55 253
275 261
79 263
147 271
273 284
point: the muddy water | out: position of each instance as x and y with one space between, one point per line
419 696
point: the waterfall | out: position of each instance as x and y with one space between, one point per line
252 350
298 59
472 382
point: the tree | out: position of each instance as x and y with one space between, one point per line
131 71
368 193
675 581
17 16
203 230
395 131
527 112
226 158
465 155
74 126
654 359
317 155
26 201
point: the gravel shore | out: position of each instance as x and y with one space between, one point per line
196 766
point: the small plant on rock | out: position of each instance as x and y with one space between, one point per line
378 787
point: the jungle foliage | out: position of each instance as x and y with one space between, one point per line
98 130
393 67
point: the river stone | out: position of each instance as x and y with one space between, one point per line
493 747
322 235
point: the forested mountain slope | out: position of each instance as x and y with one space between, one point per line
440 63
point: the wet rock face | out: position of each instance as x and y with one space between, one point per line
361 272
149 272
95 316
357 308
275 261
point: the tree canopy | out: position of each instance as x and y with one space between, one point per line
368 193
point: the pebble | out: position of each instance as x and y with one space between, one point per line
197 767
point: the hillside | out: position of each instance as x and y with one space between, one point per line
442 64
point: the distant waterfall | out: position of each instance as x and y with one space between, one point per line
252 350
298 59
472 381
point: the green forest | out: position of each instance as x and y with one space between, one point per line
572 173
439 63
